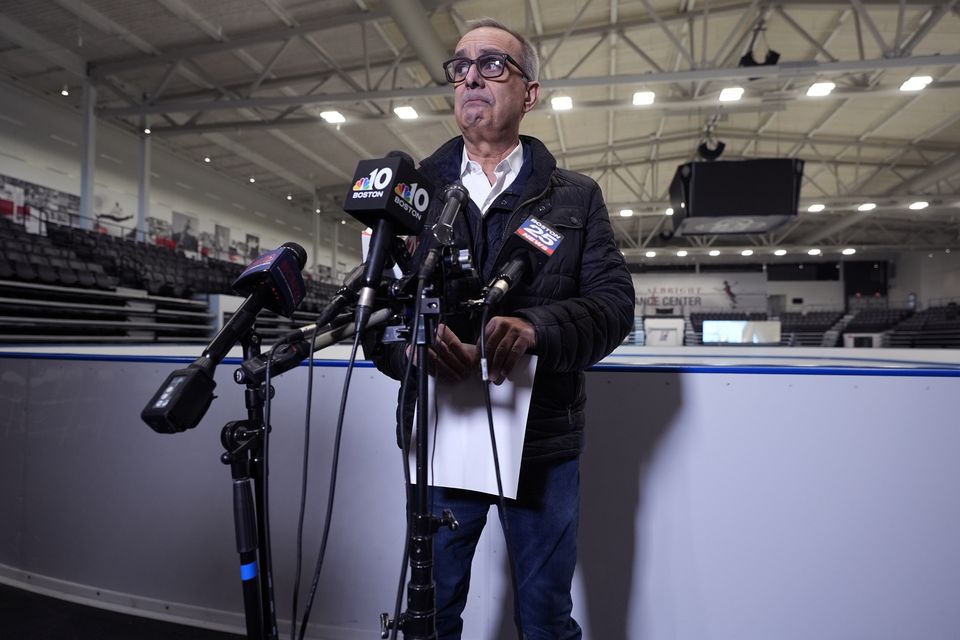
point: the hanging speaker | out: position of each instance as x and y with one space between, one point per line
735 196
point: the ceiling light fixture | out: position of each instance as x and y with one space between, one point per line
714 253
849 251
681 254
651 254
816 208
814 252
65 91
146 130
643 97
867 206
916 83
561 103
626 213
746 253
731 94
669 211
289 196
919 205
820 89
780 252
207 159
333 117
406 112
252 179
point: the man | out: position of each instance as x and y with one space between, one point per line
575 312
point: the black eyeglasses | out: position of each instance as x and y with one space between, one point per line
490 66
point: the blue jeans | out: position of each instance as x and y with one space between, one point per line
543 539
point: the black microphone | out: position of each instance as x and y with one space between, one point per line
392 197
454 196
346 295
527 249
273 281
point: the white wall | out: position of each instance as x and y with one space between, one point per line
816 295
40 142
930 278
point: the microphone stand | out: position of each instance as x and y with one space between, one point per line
243 444
418 622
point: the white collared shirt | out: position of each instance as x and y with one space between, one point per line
478 186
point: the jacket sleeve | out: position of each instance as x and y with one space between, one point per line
576 333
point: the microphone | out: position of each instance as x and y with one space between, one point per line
528 249
454 196
390 196
273 281
289 356
346 295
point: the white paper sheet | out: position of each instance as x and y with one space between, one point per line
461 455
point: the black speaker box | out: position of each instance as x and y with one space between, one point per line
735 196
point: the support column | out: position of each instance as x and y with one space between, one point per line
315 263
88 160
335 240
143 200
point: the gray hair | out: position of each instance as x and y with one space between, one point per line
529 60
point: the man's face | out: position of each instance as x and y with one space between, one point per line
488 107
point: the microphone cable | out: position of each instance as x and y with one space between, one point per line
303 485
267 554
405 452
484 318
333 486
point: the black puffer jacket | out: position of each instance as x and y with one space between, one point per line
581 304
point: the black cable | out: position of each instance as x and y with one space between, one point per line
496 467
328 517
267 555
303 485
405 451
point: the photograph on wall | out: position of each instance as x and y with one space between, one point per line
253 246
28 203
185 232
221 242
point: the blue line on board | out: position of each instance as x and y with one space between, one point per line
940 370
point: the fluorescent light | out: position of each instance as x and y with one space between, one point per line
333 117
746 253
849 251
816 208
626 213
643 97
669 211
731 94
820 89
651 254
867 206
780 252
814 252
681 254
918 205
406 112
714 253
561 103
916 83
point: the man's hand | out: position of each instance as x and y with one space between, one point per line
507 340
451 359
